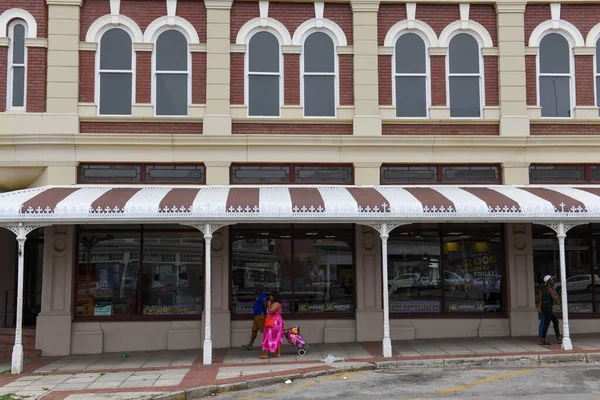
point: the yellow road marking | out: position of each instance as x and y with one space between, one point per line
303 385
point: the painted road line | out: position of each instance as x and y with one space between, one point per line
303 385
480 382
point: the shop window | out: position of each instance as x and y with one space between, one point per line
135 272
142 173
17 65
319 70
583 283
171 74
450 174
290 173
312 267
410 76
548 173
447 269
264 75
555 76
464 76
115 73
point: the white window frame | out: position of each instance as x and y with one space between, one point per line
11 65
427 73
481 73
335 74
247 73
188 72
98 71
570 75
596 75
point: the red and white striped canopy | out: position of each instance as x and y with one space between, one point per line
277 203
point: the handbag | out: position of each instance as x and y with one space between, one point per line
270 321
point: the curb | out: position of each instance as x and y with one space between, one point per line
524 360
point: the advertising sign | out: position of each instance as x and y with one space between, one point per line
414 306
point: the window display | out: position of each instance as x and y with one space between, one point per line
311 267
139 271
446 269
583 281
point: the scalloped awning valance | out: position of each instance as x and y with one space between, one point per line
181 204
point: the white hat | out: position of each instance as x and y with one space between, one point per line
547 278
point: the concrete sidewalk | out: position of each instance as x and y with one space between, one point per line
181 375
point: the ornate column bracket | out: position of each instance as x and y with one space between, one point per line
565 226
22 230
207 228
384 228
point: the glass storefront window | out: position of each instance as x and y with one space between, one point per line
583 283
139 271
453 269
311 267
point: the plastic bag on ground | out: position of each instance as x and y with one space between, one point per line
331 359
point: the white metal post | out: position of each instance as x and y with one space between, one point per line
387 341
566 339
207 354
17 355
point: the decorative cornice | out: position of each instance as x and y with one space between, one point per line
218 4
4 42
511 7
36 42
64 2
490 51
438 51
88 46
385 51
345 49
364 6
198 48
584 51
291 49
144 47
531 51
237 48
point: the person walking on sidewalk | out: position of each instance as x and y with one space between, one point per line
540 300
260 313
548 300
273 336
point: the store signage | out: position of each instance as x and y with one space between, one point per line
102 310
431 306
173 310
579 308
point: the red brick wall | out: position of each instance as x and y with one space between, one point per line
426 129
341 14
242 12
291 129
143 78
485 14
584 81
37 8
547 129
535 14
438 80
236 91
140 127
491 80
198 78
438 16
583 16
3 76
346 65
91 10
87 71
385 81
194 12
387 16
291 86
36 79
531 80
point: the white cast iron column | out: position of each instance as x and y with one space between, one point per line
207 353
561 234
387 341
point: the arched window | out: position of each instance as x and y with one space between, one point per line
319 72
555 76
598 73
410 76
17 66
264 75
115 73
464 76
171 74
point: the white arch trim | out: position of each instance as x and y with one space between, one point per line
261 23
408 26
13 13
158 25
593 36
473 27
314 24
567 28
97 27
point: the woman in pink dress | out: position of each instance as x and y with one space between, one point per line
273 337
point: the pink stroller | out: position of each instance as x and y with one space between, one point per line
294 338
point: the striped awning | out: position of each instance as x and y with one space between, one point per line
278 203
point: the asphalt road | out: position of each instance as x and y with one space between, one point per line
555 382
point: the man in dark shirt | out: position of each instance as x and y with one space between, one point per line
260 314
